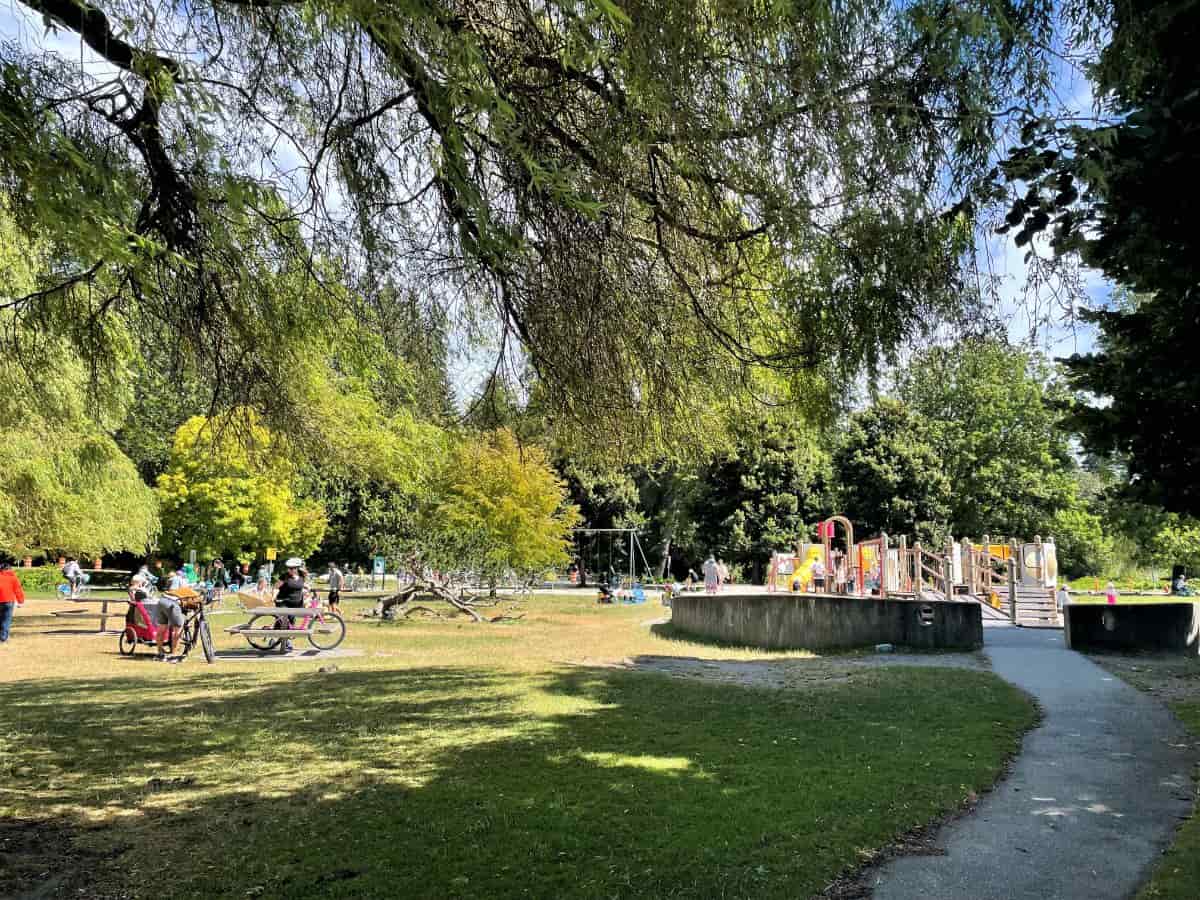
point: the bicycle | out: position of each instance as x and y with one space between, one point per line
195 627
324 629
141 627
82 591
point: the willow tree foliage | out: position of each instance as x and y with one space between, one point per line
65 486
647 201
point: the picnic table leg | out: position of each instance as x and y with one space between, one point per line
103 614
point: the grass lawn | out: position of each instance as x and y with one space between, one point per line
459 760
1175 680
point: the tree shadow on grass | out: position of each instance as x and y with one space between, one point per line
668 631
443 782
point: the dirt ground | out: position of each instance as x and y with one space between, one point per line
1170 677
796 673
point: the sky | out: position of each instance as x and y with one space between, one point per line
997 255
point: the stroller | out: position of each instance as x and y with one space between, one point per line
140 625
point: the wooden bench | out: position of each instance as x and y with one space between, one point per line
291 611
84 614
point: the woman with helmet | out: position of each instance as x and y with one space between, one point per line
290 592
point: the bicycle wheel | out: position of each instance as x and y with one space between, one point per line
128 642
328 630
206 641
187 636
262 641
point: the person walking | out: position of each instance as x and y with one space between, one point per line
11 596
722 575
711 575
1110 594
1063 598
220 579
336 579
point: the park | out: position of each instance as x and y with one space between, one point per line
600 449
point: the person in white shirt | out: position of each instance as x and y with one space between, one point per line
73 574
818 576
178 580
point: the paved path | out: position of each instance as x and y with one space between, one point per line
1093 798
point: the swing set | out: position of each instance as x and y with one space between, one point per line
620 563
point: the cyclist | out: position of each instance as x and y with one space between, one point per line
73 574
290 593
144 575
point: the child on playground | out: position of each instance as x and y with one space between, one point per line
711 575
1063 597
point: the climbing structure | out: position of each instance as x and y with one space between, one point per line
1011 579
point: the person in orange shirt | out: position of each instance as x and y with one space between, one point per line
11 593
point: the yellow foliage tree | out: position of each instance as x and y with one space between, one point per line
229 489
500 508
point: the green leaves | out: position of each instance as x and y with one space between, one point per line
497 508
229 489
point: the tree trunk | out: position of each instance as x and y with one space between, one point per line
425 588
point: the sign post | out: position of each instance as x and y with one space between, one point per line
378 568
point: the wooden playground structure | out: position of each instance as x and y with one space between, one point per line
1010 578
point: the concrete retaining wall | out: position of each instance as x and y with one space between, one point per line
1140 626
816 621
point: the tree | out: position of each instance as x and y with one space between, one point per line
66 487
996 431
497 508
889 475
994 417
1178 543
229 490
650 202
1121 196
763 495
64 484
